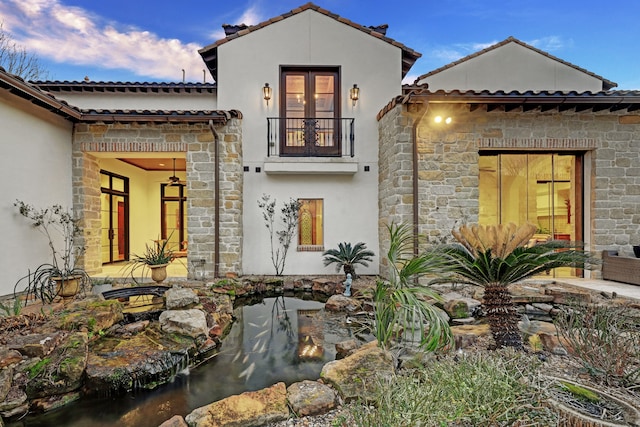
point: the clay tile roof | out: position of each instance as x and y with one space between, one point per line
210 55
91 86
606 84
611 100
32 93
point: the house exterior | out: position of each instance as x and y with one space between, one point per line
530 138
304 118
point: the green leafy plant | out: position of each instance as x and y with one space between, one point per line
495 257
346 257
13 308
605 340
49 279
289 217
402 305
156 254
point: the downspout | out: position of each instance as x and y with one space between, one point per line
216 202
414 143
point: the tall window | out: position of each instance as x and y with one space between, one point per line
114 214
310 225
310 112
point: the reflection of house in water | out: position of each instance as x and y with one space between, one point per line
310 335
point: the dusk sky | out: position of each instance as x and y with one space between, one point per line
142 40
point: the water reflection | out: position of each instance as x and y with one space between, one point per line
279 339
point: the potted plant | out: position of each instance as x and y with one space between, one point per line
156 258
60 277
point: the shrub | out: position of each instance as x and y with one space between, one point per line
475 389
606 340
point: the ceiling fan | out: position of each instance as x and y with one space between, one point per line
173 179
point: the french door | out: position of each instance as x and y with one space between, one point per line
310 124
173 219
114 209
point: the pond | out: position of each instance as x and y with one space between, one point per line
278 339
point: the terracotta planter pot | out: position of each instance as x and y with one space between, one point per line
67 287
158 272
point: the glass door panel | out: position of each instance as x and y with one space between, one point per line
114 217
173 217
543 189
309 124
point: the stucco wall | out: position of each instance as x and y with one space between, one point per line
448 166
140 100
512 67
318 40
35 167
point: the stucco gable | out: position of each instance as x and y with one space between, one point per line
513 65
210 53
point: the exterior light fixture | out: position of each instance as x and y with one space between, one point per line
354 94
266 92
440 119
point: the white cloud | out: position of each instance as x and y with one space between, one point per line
550 43
72 35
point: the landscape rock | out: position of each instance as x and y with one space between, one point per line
342 303
568 296
467 335
35 345
62 371
346 348
9 357
249 409
91 315
6 379
175 421
177 298
532 327
192 323
311 398
49 403
355 376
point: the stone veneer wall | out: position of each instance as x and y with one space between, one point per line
448 166
201 203
197 141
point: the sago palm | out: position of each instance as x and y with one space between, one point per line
402 305
346 257
495 257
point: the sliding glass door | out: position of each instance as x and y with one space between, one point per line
542 188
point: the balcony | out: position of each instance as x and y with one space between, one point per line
310 137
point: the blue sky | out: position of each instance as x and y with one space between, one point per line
143 40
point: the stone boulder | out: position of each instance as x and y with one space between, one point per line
311 398
35 345
355 376
249 409
177 298
458 306
175 421
62 371
467 335
342 303
90 316
192 323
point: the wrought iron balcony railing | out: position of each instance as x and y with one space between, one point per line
310 137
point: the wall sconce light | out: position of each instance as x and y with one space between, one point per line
354 94
266 92
440 119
